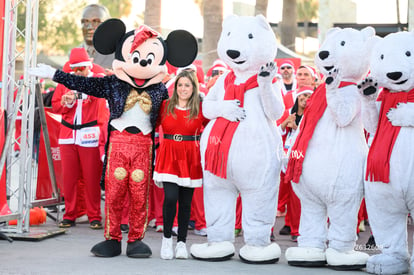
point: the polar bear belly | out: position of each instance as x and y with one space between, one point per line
402 163
335 156
253 154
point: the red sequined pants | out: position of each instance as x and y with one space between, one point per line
128 170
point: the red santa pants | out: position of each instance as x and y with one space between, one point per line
128 171
81 163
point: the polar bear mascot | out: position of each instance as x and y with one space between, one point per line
389 181
240 145
326 162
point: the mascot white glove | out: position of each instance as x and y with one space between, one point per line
42 71
231 110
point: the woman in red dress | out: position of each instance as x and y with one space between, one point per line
178 163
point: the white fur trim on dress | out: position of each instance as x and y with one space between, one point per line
159 178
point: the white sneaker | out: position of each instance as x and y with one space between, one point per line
181 251
201 232
160 228
151 223
167 252
175 231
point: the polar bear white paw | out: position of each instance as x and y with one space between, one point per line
266 73
305 256
260 254
401 115
349 260
368 88
214 252
386 264
231 110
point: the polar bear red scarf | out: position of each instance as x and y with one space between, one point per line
378 164
222 132
313 112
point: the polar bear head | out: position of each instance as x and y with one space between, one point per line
345 54
246 43
392 61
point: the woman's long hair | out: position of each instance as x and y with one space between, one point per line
193 103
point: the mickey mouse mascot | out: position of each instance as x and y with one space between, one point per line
134 94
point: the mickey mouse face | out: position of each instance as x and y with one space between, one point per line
140 55
142 66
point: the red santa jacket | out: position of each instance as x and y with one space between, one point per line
82 121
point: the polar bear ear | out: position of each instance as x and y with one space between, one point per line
368 32
263 22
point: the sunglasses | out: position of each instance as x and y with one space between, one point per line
285 67
79 69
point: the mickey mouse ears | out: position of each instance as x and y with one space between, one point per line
181 45
107 35
182 48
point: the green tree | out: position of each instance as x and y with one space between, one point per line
118 8
307 10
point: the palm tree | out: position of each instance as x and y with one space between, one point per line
212 12
152 15
261 7
288 25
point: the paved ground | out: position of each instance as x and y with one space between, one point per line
68 253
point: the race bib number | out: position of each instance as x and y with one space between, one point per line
89 137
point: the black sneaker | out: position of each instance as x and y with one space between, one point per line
285 230
95 224
124 228
66 223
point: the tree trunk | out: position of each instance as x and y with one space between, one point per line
213 18
152 14
261 7
288 25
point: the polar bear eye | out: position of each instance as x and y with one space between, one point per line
250 36
382 56
408 53
228 34
342 43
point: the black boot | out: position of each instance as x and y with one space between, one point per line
285 230
138 249
108 248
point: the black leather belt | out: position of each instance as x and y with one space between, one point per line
178 137
131 129
77 127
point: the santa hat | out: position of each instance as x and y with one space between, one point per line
304 90
288 63
79 57
190 67
218 65
311 70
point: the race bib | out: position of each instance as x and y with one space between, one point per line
89 136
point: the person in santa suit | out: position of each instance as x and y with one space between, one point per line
79 141
178 164
287 71
289 126
305 77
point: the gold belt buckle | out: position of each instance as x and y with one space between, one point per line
178 137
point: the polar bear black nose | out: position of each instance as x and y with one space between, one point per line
233 54
323 54
394 75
